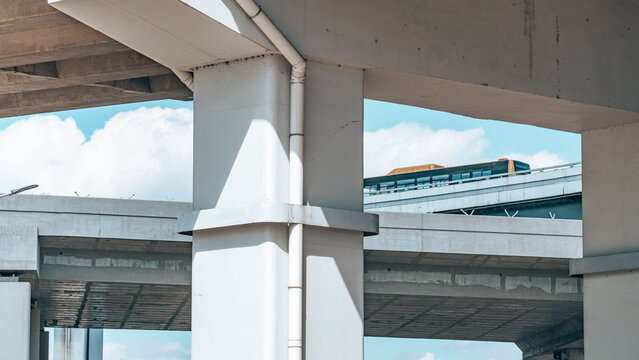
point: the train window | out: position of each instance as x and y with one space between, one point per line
456 177
476 174
486 173
465 175
387 185
440 178
405 183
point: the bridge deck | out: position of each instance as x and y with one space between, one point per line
108 263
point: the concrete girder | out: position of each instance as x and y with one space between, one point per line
78 71
23 15
56 43
81 96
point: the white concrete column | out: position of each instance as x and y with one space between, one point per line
240 264
15 319
611 242
239 283
333 168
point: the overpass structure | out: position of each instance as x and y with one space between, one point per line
566 65
552 192
120 264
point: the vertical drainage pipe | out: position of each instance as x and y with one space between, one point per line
296 174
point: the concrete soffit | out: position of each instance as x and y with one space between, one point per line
178 34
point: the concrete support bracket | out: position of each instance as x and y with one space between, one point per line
278 213
604 264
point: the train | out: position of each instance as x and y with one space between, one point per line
411 177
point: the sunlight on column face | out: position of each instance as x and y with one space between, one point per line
260 165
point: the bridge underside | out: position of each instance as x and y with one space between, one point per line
136 284
51 62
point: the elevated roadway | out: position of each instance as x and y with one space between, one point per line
552 192
108 263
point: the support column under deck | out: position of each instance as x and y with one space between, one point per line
15 319
611 242
240 223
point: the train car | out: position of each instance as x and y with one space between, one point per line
405 178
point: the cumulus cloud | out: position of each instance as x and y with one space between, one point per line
146 152
408 144
541 159
148 351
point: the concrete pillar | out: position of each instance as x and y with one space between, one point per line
240 265
44 345
77 344
333 179
15 318
34 338
611 243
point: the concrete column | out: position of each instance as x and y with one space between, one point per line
44 345
333 168
15 317
34 338
240 157
610 208
239 284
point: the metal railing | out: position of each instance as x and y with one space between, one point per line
468 180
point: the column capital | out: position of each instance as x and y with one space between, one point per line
282 213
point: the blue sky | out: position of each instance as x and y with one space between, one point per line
106 140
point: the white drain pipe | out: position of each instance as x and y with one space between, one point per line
296 174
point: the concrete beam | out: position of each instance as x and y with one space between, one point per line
78 71
478 282
479 235
55 43
116 266
94 217
17 16
82 96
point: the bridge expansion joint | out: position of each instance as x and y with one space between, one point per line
282 213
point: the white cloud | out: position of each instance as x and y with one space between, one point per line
429 356
540 159
408 144
146 152
112 351
146 351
